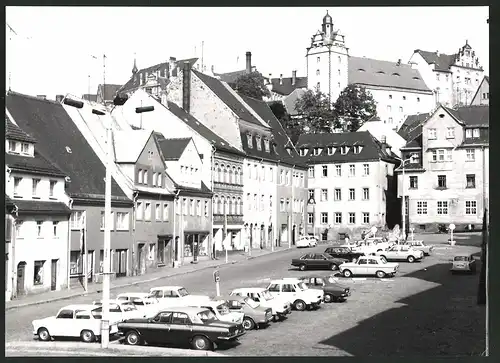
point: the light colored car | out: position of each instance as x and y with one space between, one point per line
401 253
306 241
142 301
300 295
463 263
176 296
83 321
369 265
279 305
304 285
221 310
121 310
421 246
255 315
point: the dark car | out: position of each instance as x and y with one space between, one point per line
344 252
333 291
197 327
318 261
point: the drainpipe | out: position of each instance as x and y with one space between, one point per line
176 197
262 235
134 209
68 264
211 240
13 258
291 213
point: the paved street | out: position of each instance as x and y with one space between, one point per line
422 311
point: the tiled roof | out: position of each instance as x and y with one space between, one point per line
412 122
290 101
372 72
89 97
416 141
410 166
8 202
230 77
485 79
372 148
442 61
472 115
203 190
227 97
129 144
110 91
285 87
32 165
202 130
13 132
41 207
172 149
61 142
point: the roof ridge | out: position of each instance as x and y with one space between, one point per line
14 93
176 138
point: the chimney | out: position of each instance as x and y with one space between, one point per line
437 53
249 62
213 69
383 139
186 86
281 78
294 77
172 67
43 97
59 98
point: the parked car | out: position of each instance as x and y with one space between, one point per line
306 241
255 315
463 263
401 253
421 246
279 305
333 291
197 327
344 252
73 321
142 301
300 295
369 265
221 310
176 296
318 261
120 310
372 246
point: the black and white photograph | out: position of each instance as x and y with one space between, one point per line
247 181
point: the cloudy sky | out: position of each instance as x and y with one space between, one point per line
54 49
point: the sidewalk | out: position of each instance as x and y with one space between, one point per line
233 257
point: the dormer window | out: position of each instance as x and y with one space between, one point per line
361 70
380 72
475 133
17 147
266 145
258 142
331 150
357 149
249 140
344 149
12 146
396 74
303 151
317 151
289 150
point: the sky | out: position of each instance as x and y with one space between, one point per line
56 49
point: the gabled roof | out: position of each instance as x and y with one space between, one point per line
228 98
442 62
372 148
41 207
416 142
33 165
230 77
284 86
290 100
411 122
13 132
129 144
485 79
60 141
172 149
373 72
478 116
110 91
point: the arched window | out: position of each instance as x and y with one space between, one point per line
230 172
240 204
223 205
219 174
225 174
235 176
235 207
229 206
240 173
215 175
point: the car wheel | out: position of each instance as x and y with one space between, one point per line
379 250
328 298
333 267
380 274
302 267
133 338
200 343
347 273
411 259
87 336
383 258
43 335
300 305
248 323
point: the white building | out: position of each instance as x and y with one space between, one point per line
454 78
37 255
384 134
449 181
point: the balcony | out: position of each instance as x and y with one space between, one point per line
231 219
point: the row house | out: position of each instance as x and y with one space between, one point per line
60 140
37 214
351 183
482 95
447 180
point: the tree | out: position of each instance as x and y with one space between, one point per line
316 113
251 85
292 126
354 107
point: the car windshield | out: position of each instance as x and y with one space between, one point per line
461 258
267 295
223 309
302 286
206 316
128 307
253 304
183 292
382 260
331 280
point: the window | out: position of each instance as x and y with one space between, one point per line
65 314
282 177
471 181
122 221
390 97
19 229
338 72
17 182
139 211
39 225
337 194
147 212
198 208
324 218
366 193
442 207
389 108
352 194
318 59
282 205
366 169
151 254
158 212
475 133
25 148
206 207
338 170
344 150
52 186
165 212
185 206
413 182
263 173
258 142
470 207
352 169
145 180
255 172
76 219
390 120
317 72
38 274
421 207
310 218
54 228
249 140
338 218
12 146
36 182
450 132
271 175
191 207
324 195
318 86
112 222
340 60
437 76
352 218
441 181
431 133
366 218
310 172
468 133
311 194
418 99
401 109
325 170
287 178
159 181
404 98
442 155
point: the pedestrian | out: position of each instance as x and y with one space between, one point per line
213 251
347 238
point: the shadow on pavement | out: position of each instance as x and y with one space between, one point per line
444 320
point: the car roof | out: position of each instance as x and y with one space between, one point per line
134 294
463 255
282 281
249 289
190 310
79 306
227 297
172 287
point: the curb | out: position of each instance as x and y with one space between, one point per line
137 282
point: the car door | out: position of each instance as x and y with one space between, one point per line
392 253
157 330
361 267
63 324
180 328
372 266
274 289
288 291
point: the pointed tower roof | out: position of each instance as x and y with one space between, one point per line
134 69
327 19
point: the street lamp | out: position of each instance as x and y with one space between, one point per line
403 204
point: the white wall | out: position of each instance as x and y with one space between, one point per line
43 192
380 129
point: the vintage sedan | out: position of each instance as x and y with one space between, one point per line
280 306
299 293
401 253
333 291
120 310
72 321
306 241
255 316
344 252
142 301
463 263
369 265
197 327
221 310
176 296
318 261
421 246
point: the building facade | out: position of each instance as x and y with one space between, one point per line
482 95
449 181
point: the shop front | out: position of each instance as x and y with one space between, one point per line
196 246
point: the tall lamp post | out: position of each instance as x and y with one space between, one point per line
403 204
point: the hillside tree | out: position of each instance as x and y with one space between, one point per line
293 126
316 113
354 107
251 85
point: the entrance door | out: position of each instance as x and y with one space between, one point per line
121 263
168 252
21 273
53 275
161 252
141 258
90 265
293 234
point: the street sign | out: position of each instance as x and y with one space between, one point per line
451 227
216 276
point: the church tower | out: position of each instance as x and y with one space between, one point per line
326 60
